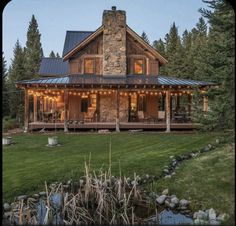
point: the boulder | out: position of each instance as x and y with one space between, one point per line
200 221
212 214
167 203
22 197
200 215
184 202
167 176
161 199
222 217
165 192
175 200
36 196
214 222
42 193
172 205
6 207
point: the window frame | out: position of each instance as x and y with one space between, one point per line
143 66
83 101
88 73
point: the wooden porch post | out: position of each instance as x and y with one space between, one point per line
205 103
189 104
65 110
35 108
168 111
26 120
117 111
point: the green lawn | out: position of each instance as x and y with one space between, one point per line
208 181
28 163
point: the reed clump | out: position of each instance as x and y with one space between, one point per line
96 198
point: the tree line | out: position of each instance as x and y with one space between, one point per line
206 52
24 65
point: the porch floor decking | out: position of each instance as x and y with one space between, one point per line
111 125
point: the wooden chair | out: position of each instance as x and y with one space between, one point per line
88 117
141 116
161 115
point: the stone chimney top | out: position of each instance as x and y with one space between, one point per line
113 8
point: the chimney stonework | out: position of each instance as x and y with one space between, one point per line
114 42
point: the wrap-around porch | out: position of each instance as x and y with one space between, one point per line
72 109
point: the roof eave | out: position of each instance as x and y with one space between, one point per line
83 43
149 47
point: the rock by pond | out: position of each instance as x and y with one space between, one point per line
168 217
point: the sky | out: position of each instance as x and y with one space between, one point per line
55 17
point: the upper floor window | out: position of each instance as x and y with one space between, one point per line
89 66
138 66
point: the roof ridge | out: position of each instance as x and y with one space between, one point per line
79 31
58 58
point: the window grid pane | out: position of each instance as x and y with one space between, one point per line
89 66
138 67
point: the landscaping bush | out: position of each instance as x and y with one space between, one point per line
9 123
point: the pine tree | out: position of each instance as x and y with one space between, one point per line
219 65
58 55
16 73
159 45
5 100
174 52
34 50
52 54
145 37
187 69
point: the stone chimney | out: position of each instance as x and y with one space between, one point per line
114 42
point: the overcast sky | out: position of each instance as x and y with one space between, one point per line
56 16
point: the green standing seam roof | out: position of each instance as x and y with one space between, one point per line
73 38
158 80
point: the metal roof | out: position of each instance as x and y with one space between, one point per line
53 66
73 38
114 80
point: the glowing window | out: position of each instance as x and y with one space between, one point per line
138 67
89 66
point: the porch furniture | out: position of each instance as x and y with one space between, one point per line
161 115
142 117
89 116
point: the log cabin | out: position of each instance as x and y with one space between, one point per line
108 79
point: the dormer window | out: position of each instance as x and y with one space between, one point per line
89 66
139 66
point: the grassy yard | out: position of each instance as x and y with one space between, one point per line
28 163
208 181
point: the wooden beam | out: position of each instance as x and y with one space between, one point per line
189 104
26 116
205 103
117 111
66 105
35 108
147 66
168 98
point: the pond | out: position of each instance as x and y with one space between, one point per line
168 217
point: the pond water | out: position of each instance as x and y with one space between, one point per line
167 217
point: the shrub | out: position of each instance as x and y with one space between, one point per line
9 123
